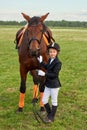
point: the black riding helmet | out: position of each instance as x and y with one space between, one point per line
55 46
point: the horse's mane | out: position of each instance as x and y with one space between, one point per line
34 20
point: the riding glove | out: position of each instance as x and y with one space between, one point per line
40 59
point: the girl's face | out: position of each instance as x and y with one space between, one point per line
52 53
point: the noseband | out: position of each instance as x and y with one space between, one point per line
34 39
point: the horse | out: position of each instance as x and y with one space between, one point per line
32 41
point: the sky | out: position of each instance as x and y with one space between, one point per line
70 10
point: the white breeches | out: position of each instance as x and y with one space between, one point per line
53 92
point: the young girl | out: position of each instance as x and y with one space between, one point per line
52 83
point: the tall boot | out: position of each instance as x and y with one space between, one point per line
21 102
53 112
48 109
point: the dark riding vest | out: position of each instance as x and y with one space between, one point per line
52 75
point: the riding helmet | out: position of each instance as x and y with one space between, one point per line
55 46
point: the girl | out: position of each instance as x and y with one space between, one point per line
52 83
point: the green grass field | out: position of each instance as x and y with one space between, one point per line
72 110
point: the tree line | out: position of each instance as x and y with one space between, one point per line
62 23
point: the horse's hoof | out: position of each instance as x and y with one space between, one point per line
42 109
34 100
19 110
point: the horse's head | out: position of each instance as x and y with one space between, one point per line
35 32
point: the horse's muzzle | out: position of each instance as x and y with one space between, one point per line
35 53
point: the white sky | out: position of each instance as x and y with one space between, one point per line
73 10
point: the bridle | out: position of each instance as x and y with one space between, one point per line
34 38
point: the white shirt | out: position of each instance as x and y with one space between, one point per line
51 60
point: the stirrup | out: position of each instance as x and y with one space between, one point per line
42 109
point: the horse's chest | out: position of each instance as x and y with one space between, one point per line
29 63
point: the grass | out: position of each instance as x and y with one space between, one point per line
72 110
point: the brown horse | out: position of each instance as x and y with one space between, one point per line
32 41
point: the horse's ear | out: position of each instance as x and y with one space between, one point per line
42 18
26 17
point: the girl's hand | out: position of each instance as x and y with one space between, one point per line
41 73
40 59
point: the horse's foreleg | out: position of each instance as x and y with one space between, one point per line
35 87
41 81
23 74
21 101
22 94
41 89
35 91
